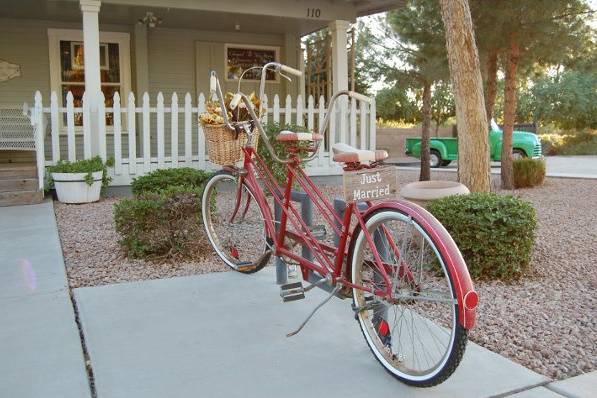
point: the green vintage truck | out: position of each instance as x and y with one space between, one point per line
445 150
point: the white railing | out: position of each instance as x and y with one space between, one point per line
165 135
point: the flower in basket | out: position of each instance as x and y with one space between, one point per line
213 110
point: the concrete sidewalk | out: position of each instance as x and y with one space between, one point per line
223 335
40 349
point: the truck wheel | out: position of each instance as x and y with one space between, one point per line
446 163
435 159
518 154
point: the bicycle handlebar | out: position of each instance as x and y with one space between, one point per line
292 71
215 88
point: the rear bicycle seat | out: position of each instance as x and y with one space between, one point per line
344 153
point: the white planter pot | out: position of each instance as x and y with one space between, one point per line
422 192
72 188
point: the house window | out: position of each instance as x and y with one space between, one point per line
72 74
67 67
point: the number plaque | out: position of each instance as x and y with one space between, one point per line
370 184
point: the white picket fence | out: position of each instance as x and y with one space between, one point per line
169 135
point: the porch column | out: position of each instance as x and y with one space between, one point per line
339 54
141 60
292 45
338 30
90 10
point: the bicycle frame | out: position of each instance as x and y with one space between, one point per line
333 262
328 261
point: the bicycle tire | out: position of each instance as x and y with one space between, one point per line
457 344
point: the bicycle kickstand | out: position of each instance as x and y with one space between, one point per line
332 294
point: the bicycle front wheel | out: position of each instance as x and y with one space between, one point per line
234 223
415 333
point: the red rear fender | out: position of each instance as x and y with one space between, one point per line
465 292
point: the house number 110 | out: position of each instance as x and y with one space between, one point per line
313 12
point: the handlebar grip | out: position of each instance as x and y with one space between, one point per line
235 101
359 97
212 82
290 70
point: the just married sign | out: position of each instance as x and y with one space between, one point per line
369 185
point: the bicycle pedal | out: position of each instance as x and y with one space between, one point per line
292 291
319 232
261 261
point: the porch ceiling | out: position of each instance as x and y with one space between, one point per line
281 16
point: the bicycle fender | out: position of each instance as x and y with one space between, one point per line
466 295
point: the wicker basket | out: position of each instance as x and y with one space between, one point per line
222 146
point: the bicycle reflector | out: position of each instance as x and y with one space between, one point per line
471 299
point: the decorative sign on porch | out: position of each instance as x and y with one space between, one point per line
241 57
8 71
370 184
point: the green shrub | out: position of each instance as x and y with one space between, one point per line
551 143
158 180
528 173
569 143
495 233
88 166
278 169
162 224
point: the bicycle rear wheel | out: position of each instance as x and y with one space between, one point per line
415 334
234 223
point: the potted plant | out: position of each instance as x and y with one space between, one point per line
81 181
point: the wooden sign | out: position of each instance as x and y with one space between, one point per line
239 58
370 184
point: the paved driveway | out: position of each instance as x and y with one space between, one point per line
223 335
557 166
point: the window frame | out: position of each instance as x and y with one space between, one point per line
55 36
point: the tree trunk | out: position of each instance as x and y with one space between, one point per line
491 83
509 112
426 133
465 71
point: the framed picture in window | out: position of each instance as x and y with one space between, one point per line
241 57
77 53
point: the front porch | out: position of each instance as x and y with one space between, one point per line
151 59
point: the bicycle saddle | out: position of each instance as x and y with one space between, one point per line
344 153
290 136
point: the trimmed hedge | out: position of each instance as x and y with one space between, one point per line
163 224
159 180
528 173
164 217
495 234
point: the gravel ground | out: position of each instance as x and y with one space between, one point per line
545 322
93 256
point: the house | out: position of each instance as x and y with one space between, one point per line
151 59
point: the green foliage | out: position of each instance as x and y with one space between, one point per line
528 173
87 166
495 233
159 180
164 218
569 101
278 170
393 103
161 224
569 143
